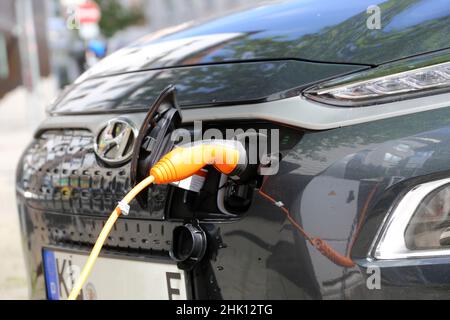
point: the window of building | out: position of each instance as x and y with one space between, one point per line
4 63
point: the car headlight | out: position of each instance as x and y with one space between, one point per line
390 82
419 225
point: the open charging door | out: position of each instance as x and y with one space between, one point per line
154 138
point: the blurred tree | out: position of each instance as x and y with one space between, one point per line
116 17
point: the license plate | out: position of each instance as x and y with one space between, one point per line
113 279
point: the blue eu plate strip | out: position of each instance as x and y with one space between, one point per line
51 275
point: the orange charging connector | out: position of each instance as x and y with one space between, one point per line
228 157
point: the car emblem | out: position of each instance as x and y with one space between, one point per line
115 142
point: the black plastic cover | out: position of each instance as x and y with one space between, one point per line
153 140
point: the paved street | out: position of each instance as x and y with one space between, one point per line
16 126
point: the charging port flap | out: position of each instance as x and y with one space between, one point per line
153 140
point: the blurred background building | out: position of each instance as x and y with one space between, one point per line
22 40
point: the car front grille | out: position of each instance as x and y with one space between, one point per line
80 232
60 173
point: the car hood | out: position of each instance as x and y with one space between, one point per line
322 30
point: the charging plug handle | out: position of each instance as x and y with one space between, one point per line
227 156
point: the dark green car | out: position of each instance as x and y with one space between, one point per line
350 199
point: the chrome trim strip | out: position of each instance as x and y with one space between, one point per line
296 111
391 244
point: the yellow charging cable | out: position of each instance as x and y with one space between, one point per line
103 235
